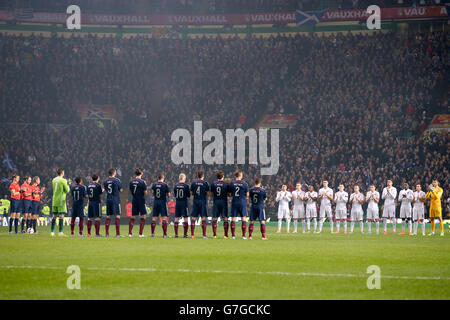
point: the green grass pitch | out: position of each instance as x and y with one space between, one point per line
288 266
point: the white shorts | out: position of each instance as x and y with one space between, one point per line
326 211
418 214
341 214
283 214
389 212
311 212
298 212
356 215
372 214
405 212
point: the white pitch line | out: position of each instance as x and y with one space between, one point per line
280 273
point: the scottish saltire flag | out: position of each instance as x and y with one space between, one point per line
8 182
309 18
7 162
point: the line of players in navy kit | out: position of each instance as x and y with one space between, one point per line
199 190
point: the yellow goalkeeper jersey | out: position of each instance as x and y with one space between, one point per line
435 195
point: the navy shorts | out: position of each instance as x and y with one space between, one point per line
159 209
77 211
220 209
36 207
238 210
199 209
94 210
257 213
26 206
138 208
16 206
112 208
181 210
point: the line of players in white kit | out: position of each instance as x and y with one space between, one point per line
412 208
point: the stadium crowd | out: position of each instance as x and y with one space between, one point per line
208 6
362 103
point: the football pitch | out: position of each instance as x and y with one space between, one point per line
288 266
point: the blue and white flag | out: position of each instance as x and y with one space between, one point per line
8 162
309 18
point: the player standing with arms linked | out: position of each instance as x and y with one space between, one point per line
14 189
94 191
239 193
138 189
113 187
199 190
435 194
160 191
79 193
59 206
220 190
257 197
182 194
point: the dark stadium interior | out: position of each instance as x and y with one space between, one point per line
362 101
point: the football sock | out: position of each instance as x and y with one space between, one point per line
432 225
280 221
303 225
225 228
369 226
72 225
204 228
394 224
331 224
385 224
153 227
423 226
61 224
309 224
263 230
403 226
117 222
175 228
378 226
130 226
320 225
361 226
141 226
34 225
233 228
352 226
441 225
192 227
185 227
315 224
416 223
244 228
345 225
16 224
295 225
81 225
338 225
410 225
97 227
22 224
288 224
250 229
214 227
11 222
107 224
89 226
164 227
27 224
